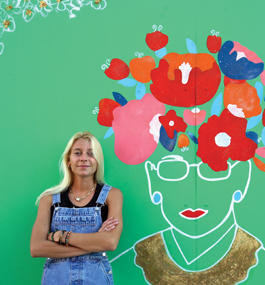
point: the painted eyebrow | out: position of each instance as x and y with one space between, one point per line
176 157
77 148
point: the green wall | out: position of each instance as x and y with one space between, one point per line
52 81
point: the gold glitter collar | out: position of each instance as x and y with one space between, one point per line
160 269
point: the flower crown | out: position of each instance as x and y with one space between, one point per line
188 80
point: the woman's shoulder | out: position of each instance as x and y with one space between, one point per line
46 200
115 190
115 194
112 190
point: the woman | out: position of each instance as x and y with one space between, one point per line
73 212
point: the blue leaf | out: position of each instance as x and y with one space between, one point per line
167 143
140 91
119 98
253 136
161 52
191 46
192 137
109 133
217 105
263 136
259 88
127 82
252 122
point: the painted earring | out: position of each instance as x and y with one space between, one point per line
157 198
237 196
69 165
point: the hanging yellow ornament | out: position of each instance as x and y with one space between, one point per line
43 4
6 23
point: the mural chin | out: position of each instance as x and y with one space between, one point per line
195 223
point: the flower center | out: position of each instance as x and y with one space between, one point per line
171 123
222 140
239 55
195 110
185 70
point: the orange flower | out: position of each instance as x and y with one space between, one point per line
244 97
141 68
183 141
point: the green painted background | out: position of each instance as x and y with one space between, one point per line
51 81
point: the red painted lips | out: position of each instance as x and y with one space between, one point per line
193 214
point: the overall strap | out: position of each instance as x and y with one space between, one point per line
103 194
56 198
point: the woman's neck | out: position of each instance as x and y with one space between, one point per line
82 185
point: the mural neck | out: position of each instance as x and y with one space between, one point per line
195 254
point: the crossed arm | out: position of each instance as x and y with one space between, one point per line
79 243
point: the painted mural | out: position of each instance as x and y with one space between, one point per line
27 9
178 110
179 104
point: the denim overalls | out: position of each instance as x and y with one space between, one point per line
88 269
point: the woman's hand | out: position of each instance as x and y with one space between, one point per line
109 225
41 245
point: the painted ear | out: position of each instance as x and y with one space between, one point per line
155 197
237 196
241 169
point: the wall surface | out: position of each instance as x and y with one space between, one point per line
173 90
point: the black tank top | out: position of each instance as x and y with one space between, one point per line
66 203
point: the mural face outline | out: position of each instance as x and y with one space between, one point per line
156 197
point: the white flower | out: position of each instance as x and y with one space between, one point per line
155 126
237 112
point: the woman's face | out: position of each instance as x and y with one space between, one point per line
193 198
82 160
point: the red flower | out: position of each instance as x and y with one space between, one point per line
214 43
156 40
117 70
171 122
183 80
105 115
222 138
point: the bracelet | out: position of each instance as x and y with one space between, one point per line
67 238
53 235
61 236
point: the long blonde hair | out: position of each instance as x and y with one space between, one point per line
67 173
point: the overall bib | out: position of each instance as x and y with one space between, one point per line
88 269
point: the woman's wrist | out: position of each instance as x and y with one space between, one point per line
60 237
67 238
